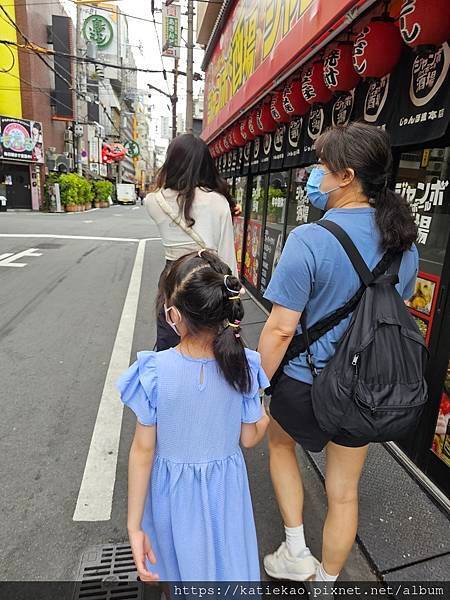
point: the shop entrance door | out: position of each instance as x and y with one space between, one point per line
18 188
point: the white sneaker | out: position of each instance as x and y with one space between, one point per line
282 565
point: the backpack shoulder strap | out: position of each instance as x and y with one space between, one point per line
178 220
352 252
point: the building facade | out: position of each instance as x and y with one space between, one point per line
277 75
56 112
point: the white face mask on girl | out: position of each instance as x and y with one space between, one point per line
169 322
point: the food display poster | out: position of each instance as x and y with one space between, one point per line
422 303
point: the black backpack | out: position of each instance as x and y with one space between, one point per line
373 388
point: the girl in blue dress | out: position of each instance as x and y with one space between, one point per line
190 515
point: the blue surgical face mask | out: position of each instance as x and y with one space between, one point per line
318 198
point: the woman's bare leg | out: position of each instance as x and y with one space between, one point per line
343 471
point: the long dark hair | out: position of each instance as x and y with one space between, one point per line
189 165
366 149
197 286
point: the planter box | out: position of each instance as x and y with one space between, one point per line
71 207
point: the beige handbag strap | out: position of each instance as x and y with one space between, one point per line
177 219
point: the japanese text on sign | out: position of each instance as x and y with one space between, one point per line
250 36
423 198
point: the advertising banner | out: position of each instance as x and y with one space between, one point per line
246 158
265 152
260 40
278 147
171 30
252 251
421 107
21 140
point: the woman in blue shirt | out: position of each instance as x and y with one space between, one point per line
314 273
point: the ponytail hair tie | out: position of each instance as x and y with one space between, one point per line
225 279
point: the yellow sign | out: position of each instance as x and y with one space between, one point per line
10 94
249 38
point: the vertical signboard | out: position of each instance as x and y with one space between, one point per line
171 30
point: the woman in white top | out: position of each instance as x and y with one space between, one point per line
193 212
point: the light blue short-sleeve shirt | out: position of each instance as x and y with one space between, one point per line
315 273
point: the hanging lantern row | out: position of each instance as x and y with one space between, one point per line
374 54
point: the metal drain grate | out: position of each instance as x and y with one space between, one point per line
108 572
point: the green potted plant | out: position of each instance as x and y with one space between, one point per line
102 190
69 190
86 193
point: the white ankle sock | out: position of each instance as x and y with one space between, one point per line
322 575
295 540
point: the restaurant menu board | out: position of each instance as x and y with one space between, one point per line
422 303
441 439
273 245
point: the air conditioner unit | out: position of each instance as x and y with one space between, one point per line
95 168
62 164
67 135
435 166
78 130
437 153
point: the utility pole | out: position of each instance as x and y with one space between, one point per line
174 99
78 87
190 69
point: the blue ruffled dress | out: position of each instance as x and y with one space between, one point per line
198 512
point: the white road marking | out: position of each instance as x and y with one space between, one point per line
2 256
71 237
117 215
136 208
9 262
97 487
88 221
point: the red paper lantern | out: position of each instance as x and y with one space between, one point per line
338 72
377 48
221 146
277 109
230 139
226 143
251 122
293 101
265 123
313 85
243 128
425 22
238 138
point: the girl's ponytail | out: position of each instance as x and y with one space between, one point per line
201 286
229 349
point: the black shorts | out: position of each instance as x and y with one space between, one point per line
291 407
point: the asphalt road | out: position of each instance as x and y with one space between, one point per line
63 328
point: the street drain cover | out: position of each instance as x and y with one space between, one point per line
108 572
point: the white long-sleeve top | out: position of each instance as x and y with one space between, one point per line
213 223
